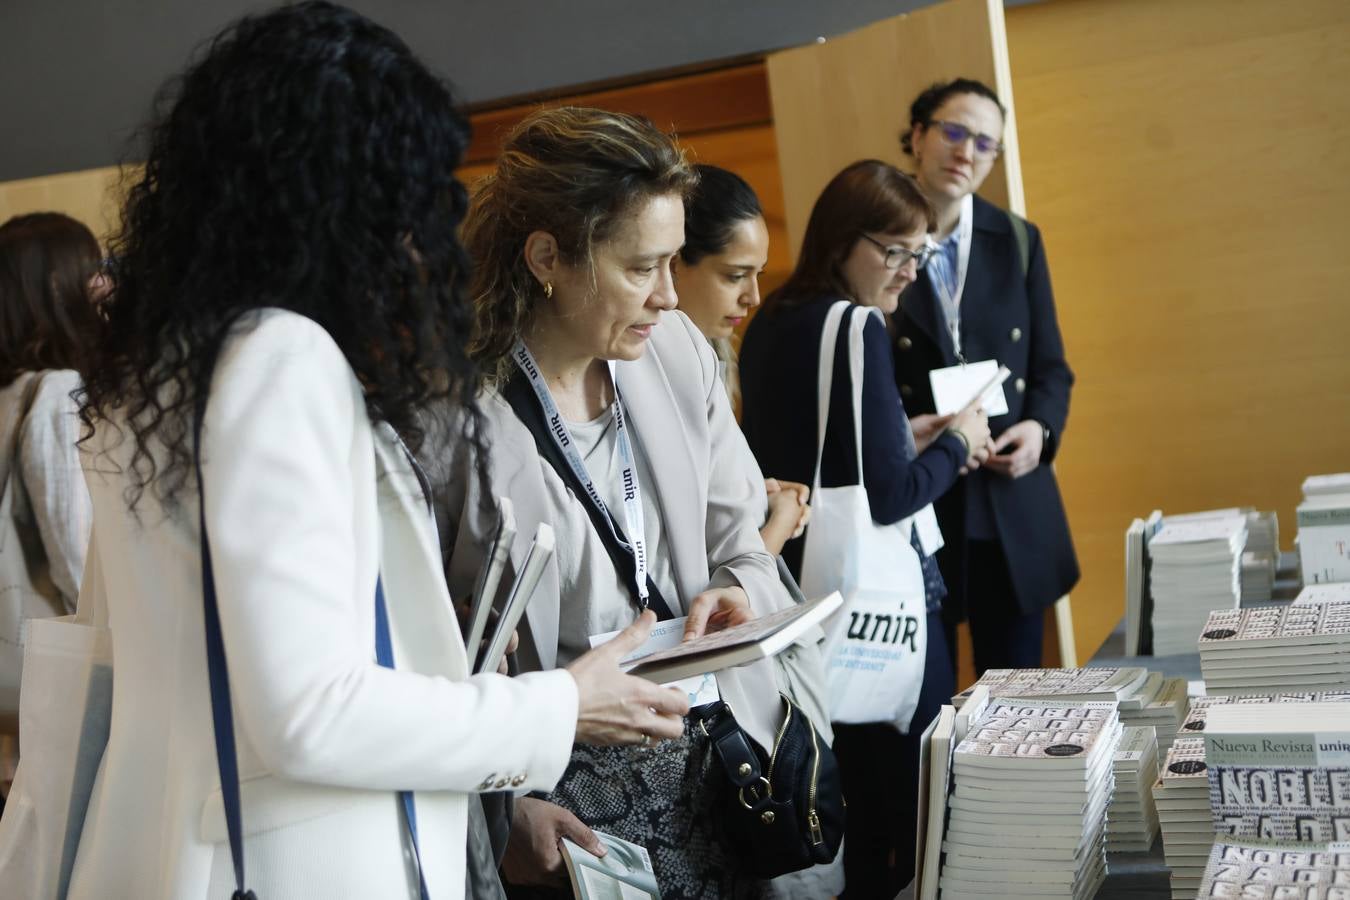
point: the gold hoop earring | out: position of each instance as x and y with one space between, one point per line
548 290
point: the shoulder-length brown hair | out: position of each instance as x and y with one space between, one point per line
867 196
47 317
575 172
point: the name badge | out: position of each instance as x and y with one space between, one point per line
954 387
700 689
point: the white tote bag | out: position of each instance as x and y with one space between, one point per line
876 644
64 712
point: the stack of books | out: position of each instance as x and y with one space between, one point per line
1142 697
1195 568
1196 719
1324 529
1279 783
1276 870
1104 685
1027 812
1132 817
1279 771
1138 599
1300 647
1160 704
1260 557
1337 592
1182 797
1183 792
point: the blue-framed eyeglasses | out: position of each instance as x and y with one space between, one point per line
955 133
899 256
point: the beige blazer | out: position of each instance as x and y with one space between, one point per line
705 488
306 503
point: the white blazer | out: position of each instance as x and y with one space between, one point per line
305 503
706 484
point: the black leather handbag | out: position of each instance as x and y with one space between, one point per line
780 811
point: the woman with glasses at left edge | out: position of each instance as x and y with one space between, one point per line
986 296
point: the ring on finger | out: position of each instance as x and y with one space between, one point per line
646 739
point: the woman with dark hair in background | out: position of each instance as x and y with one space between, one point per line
288 304
50 285
865 241
726 246
986 296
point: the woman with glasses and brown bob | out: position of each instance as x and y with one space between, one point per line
986 297
866 241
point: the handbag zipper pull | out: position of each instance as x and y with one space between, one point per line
813 821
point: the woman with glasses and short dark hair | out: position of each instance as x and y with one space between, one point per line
865 242
986 298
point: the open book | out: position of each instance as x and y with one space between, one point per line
738 645
624 873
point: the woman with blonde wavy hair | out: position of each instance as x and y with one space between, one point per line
608 420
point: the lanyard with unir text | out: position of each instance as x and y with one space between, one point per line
951 301
636 544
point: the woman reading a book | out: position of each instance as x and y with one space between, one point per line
607 420
865 241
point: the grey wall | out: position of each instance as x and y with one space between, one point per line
77 76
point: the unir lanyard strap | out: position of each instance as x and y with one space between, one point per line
631 552
951 300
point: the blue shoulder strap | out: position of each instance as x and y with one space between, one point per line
384 655
222 714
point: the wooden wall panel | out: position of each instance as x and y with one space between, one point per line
1187 163
848 98
720 118
89 196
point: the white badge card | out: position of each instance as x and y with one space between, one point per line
956 386
700 689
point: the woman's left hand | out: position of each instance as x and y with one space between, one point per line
1027 440
717 609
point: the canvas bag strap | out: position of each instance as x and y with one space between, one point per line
829 338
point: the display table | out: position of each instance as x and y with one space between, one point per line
1140 876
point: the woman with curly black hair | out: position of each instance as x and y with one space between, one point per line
288 303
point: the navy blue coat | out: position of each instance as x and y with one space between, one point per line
1011 318
778 367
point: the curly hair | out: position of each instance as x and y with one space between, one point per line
575 172
48 318
305 162
926 105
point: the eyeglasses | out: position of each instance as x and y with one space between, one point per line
897 257
955 133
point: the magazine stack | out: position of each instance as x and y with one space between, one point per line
1182 797
1300 647
1196 567
1132 818
1279 783
1032 781
1142 697
1324 529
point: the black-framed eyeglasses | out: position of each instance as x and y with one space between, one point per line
955 133
896 257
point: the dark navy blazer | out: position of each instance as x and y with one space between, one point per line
1011 318
778 368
